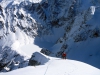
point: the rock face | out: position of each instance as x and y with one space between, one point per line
56 25
45 51
33 62
10 60
37 59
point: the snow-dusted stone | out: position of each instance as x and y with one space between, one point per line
37 59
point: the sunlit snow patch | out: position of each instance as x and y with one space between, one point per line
92 10
15 45
29 49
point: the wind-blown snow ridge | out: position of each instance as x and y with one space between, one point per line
57 67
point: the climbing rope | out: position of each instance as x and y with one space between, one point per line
48 67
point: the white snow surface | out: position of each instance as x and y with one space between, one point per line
4 3
29 49
57 67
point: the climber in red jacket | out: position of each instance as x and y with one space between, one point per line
64 55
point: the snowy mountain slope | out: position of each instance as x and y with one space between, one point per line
13 34
80 39
57 67
54 25
87 52
10 60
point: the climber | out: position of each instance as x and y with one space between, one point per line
64 55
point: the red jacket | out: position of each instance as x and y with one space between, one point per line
64 54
